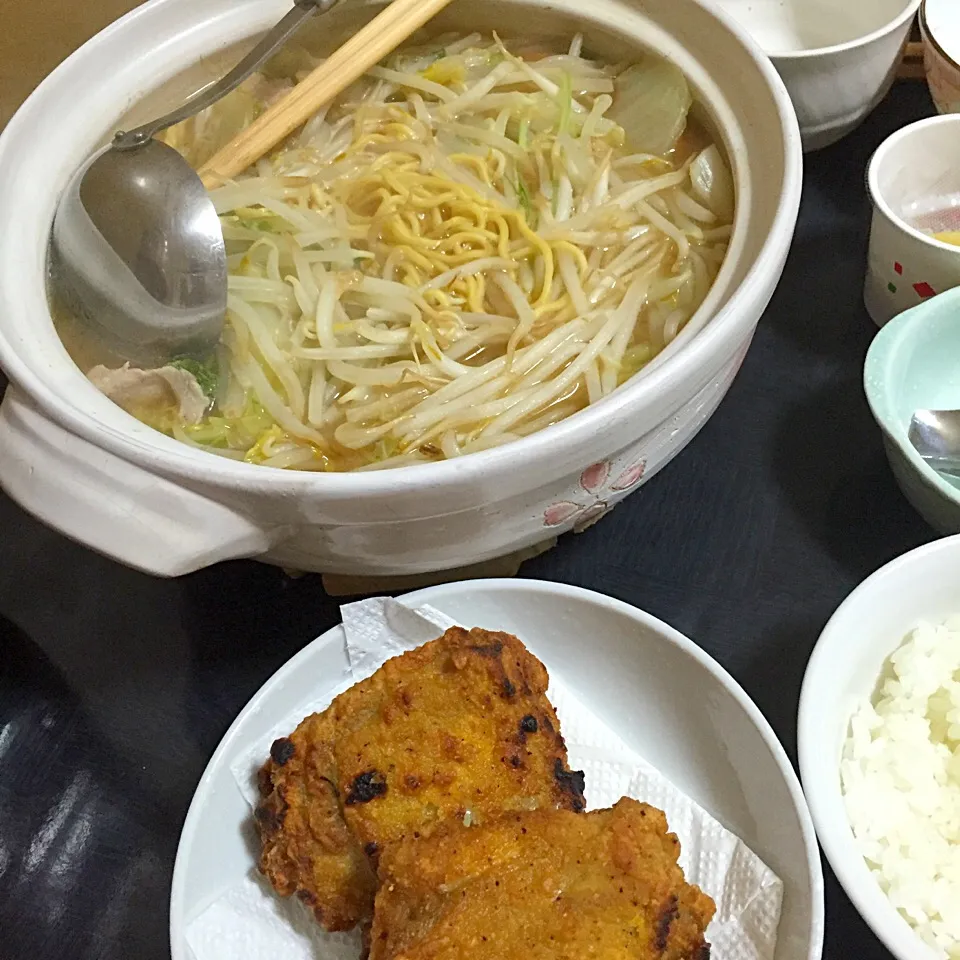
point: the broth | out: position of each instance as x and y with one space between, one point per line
474 241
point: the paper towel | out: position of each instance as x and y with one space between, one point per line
249 922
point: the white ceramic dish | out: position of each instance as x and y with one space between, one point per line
84 466
843 670
914 172
837 59
940 26
914 364
668 699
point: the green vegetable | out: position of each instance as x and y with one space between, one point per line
259 219
206 374
212 432
523 195
523 138
233 433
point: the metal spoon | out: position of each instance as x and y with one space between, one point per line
936 436
137 250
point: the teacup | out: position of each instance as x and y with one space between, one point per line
914 182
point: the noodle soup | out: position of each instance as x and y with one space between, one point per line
478 239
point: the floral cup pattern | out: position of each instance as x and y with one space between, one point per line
603 494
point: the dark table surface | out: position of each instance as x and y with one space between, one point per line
115 688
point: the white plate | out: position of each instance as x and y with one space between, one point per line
670 701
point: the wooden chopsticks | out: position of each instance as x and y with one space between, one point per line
364 49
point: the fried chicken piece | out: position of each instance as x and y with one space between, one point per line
459 728
546 885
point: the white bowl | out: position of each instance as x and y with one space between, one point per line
843 671
86 467
670 701
838 59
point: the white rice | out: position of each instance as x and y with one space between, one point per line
901 781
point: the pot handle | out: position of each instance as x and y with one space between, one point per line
111 505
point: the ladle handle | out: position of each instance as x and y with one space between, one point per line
302 11
364 49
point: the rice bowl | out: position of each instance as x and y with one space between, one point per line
901 781
898 765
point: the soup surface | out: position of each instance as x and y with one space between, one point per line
475 241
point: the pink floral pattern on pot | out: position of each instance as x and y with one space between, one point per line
594 481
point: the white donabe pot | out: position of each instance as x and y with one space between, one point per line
80 463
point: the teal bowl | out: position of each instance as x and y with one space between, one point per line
914 363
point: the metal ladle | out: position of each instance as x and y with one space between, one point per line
935 434
137 250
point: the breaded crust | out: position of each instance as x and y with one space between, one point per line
459 728
546 885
